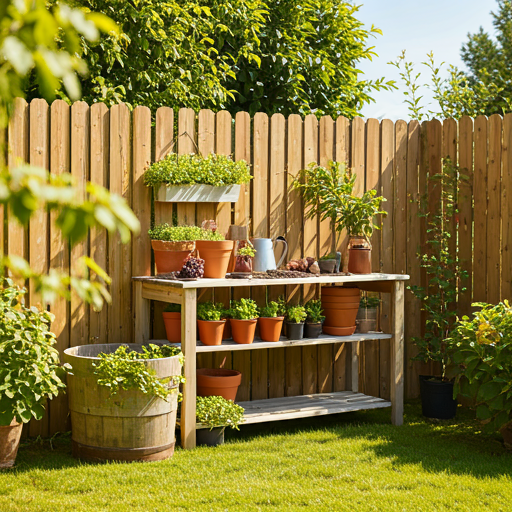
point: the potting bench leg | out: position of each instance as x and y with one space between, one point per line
188 345
397 353
353 370
142 314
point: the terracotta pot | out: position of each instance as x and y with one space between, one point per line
226 334
170 256
9 443
340 313
270 328
243 264
211 331
360 260
294 331
218 382
172 323
243 330
216 256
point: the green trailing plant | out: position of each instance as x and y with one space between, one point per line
314 311
182 233
479 352
367 302
172 308
243 309
296 314
216 170
210 311
125 369
445 276
328 192
29 364
271 310
216 411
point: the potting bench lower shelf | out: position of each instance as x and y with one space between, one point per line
259 411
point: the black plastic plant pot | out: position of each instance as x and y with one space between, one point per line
294 331
207 437
437 398
313 330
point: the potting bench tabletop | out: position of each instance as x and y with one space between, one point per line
149 288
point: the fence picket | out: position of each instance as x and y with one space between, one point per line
186 142
506 210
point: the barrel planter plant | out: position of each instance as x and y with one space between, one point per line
123 400
30 372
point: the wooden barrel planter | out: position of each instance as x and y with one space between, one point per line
129 426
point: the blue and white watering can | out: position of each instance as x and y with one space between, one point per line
265 258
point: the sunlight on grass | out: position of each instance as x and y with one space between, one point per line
353 462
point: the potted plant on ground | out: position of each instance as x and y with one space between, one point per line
216 413
244 317
328 192
295 317
445 279
30 372
120 396
194 178
366 319
271 321
172 321
244 254
479 358
314 318
210 322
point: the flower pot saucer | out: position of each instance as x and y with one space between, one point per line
339 331
239 275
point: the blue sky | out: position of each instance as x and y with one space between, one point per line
418 27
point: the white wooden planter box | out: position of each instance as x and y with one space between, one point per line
198 194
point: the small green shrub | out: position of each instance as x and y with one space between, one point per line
272 310
172 308
182 233
314 311
296 314
243 309
479 352
125 369
210 311
216 411
216 170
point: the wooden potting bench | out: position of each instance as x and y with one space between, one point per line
274 409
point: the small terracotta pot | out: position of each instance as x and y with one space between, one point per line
243 264
172 323
270 328
218 382
170 256
360 260
211 331
226 334
9 443
216 254
243 330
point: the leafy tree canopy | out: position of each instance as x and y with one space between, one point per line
283 56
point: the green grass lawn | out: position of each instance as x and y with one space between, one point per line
354 462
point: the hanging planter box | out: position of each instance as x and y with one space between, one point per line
198 194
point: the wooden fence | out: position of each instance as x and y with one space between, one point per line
113 146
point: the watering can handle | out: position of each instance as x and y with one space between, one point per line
285 251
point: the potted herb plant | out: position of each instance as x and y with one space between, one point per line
244 317
215 251
479 358
271 320
30 372
172 321
244 255
216 413
210 322
329 193
295 317
445 279
314 318
194 178
366 319
116 392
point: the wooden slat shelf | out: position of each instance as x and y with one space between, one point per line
284 342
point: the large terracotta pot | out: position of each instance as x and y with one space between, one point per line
9 443
243 331
216 256
218 382
170 256
270 328
172 323
211 331
340 307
